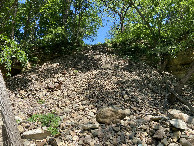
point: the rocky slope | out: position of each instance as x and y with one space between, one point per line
102 100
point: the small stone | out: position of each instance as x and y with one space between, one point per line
131 135
159 134
122 138
173 144
185 142
160 144
26 125
94 132
18 119
158 118
91 114
66 110
75 138
144 127
20 128
41 142
165 141
127 112
68 137
116 129
26 142
81 142
90 126
135 140
176 136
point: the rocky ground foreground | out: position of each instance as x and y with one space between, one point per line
101 99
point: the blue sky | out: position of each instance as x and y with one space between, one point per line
102 32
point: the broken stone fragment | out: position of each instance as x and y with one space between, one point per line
37 134
90 126
179 124
177 114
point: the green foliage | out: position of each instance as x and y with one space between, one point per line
49 120
10 52
153 28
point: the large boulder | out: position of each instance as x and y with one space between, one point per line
110 115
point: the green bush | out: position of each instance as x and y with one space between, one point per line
10 52
49 120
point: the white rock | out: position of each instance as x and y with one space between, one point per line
177 114
37 134
178 124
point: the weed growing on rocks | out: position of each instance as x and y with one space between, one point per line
49 120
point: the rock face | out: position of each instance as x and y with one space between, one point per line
110 115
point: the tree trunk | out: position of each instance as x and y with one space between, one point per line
15 6
66 9
27 24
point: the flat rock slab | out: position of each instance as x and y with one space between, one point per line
177 114
37 134
179 124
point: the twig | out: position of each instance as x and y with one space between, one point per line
181 99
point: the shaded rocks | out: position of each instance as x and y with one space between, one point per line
159 134
110 115
185 142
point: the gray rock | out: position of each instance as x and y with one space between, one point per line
122 138
66 110
110 115
159 134
177 114
164 141
158 118
160 144
185 142
116 129
91 114
179 124
90 126
131 135
94 133
173 144
134 140
37 134
20 128
176 136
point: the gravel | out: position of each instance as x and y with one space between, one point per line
75 87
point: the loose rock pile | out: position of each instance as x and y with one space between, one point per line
101 100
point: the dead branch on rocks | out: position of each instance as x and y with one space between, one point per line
177 90
181 99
